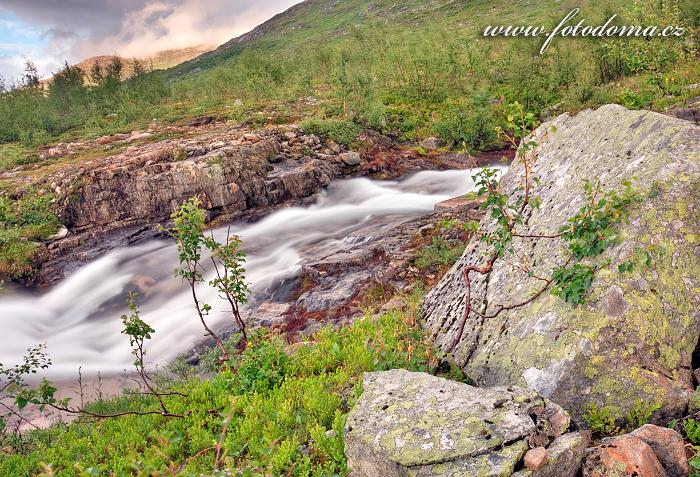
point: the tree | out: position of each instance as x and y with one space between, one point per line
31 75
227 259
96 74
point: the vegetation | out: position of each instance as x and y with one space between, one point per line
278 410
396 71
338 130
227 260
22 222
412 77
602 421
691 430
440 253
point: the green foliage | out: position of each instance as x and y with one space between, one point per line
275 413
188 227
601 420
572 283
641 258
227 258
29 116
405 77
137 330
640 413
691 430
627 56
22 222
338 130
470 125
440 253
590 231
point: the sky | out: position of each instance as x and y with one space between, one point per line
50 32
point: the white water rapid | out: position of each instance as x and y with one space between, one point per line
79 319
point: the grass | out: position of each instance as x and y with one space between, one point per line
409 71
279 411
22 222
441 253
340 131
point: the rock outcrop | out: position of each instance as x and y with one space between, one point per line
632 342
415 424
230 176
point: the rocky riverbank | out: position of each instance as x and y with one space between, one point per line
113 190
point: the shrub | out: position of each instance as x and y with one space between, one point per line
440 253
341 131
468 126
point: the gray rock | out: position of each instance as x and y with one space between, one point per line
565 456
626 344
415 424
61 233
350 158
431 143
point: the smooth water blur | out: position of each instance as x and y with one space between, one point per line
79 319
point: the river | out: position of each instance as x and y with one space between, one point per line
79 318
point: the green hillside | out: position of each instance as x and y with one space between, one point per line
408 69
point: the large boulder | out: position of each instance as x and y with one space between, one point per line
630 346
415 424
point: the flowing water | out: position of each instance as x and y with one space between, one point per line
79 319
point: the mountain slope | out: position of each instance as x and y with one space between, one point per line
315 22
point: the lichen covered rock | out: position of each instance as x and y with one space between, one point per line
415 424
630 345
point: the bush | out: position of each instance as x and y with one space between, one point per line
22 222
440 253
341 131
470 126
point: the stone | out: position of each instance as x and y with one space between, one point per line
565 455
668 446
408 423
334 147
623 456
54 152
430 143
395 303
626 344
350 158
61 233
536 458
465 201
137 136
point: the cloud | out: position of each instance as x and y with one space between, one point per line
77 29
160 25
